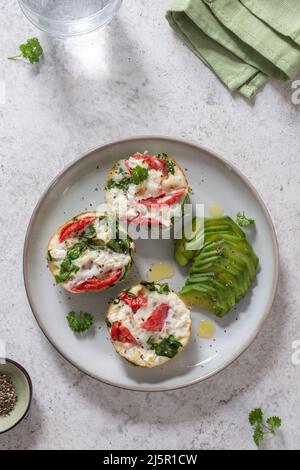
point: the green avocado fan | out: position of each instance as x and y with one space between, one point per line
222 270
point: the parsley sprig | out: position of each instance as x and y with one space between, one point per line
243 221
138 175
262 427
32 51
80 322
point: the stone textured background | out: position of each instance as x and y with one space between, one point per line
135 77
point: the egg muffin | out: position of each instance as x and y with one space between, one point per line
148 324
147 189
90 253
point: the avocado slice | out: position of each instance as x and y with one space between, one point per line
216 223
182 255
184 252
222 270
213 226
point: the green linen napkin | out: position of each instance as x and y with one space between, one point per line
232 40
281 15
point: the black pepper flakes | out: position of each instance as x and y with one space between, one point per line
8 396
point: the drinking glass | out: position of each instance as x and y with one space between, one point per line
64 18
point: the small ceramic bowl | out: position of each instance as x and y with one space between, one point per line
23 386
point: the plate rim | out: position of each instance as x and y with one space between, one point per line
231 167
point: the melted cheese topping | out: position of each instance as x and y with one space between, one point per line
92 262
177 323
157 184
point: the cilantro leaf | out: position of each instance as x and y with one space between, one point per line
80 322
274 422
256 416
262 427
243 221
32 51
258 435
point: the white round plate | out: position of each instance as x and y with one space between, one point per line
79 188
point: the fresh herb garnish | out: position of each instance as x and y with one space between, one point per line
88 234
171 167
120 245
32 51
108 323
160 288
67 268
122 184
80 322
139 174
262 427
49 256
243 221
167 347
76 251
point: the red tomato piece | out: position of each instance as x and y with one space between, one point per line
157 318
121 333
135 302
75 227
163 200
97 284
154 163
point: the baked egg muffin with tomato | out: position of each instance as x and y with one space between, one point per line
90 253
147 189
148 324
